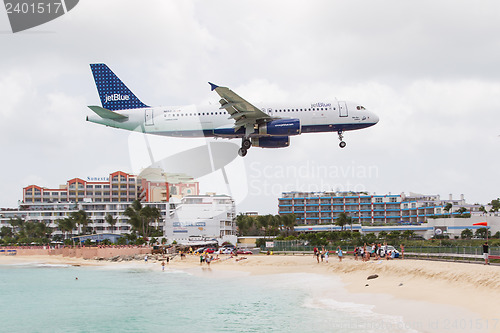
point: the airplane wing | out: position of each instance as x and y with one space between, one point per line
244 113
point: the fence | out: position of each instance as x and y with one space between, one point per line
446 252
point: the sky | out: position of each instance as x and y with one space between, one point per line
428 69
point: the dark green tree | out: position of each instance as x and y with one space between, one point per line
111 221
448 207
343 220
81 220
495 205
141 217
466 234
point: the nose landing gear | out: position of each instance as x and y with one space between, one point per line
342 143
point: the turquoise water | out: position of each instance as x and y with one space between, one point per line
48 298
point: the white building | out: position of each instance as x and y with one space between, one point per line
202 216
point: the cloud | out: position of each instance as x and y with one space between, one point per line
428 69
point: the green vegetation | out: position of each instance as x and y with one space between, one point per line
266 225
140 219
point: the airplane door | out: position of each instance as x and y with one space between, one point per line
342 109
148 117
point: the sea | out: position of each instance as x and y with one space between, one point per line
142 298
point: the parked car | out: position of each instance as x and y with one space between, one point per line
199 250
390 249
242 251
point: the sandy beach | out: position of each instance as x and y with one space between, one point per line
450 296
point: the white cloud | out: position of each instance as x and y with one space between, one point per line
428 69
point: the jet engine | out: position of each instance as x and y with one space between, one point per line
280 127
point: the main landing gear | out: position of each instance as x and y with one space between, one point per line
245 145
342 143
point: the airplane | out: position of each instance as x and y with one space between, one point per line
266 126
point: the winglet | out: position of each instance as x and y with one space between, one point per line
213 86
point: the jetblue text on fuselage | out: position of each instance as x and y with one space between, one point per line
117 97
321 105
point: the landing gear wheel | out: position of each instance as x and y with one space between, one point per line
246 144
242 152
342 144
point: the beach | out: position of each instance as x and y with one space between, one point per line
431 296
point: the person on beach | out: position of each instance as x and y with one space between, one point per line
163 266
486 251
315 250
322 254
326 256
146 258
339 253
402 247
317 256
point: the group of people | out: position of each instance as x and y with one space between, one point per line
324 254
376 250
364 252
206 258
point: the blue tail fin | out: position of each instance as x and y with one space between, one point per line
113 93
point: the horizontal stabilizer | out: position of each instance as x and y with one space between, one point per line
107 114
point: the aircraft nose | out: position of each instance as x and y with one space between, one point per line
374 118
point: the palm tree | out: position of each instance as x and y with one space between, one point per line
263 222
289 221
244 224
447 207
66 225
466 234
42 230
382 234
81 219
140 217
342 220
111 221
17 225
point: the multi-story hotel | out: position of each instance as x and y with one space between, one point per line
324 207
152 185
191 214
118 187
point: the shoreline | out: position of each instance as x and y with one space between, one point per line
466 292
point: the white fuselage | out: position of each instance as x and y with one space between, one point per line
209 120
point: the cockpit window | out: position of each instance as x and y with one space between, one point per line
359 107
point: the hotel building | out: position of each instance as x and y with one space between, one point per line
184 213
313 208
